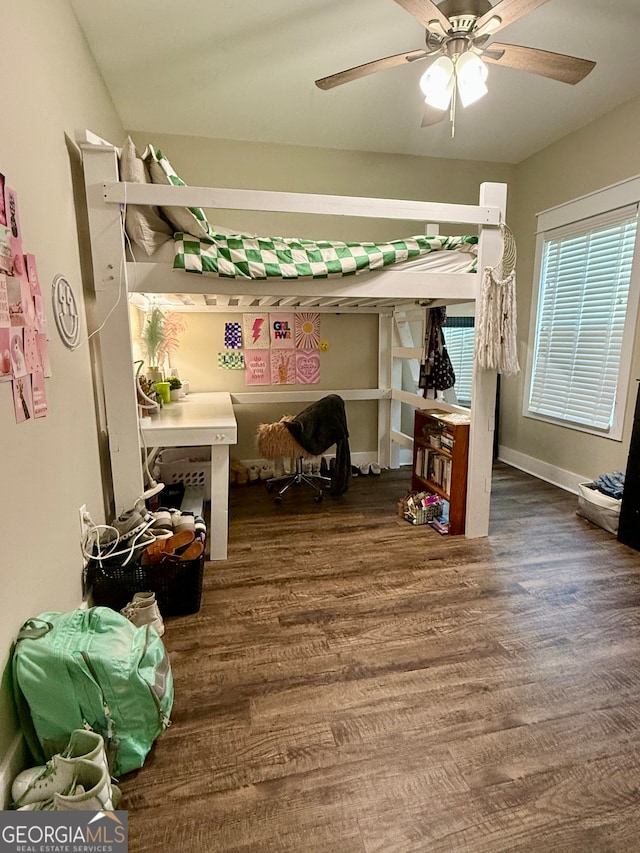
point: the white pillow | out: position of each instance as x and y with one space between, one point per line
190 220
144 225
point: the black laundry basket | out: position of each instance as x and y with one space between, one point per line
176 583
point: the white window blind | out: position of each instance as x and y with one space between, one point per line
459 343
582 306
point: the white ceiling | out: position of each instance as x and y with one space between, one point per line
245 70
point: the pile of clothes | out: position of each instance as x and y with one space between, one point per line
609 484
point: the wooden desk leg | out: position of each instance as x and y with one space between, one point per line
219 522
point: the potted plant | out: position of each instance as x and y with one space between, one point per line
151 339
159 339
175 387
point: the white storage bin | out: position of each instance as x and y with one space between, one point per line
599 508
188 465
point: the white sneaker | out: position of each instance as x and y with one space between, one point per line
143 610
40 783
89 789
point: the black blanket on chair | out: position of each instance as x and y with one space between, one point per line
320 425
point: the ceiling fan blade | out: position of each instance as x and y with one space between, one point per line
556 66
509 11
369 68
433 116
425 11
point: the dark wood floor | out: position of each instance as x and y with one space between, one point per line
353 684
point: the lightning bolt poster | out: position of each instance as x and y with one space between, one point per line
255 329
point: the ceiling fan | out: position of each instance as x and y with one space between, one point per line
458 32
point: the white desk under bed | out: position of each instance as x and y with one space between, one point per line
201 419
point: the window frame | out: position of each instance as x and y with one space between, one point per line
463 324
597 203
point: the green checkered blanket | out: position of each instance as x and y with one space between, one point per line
242 256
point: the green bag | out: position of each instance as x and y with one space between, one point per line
92 669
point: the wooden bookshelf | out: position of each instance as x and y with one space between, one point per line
442 469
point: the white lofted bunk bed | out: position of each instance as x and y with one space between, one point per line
389 292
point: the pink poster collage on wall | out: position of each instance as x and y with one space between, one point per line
24 350
281 348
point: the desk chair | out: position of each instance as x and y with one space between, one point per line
276 442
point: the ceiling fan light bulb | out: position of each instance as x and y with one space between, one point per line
437 83
471 74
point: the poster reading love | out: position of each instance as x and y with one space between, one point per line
307 367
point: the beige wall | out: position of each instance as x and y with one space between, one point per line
49 466
224 163
602 153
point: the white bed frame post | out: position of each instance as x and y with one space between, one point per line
483 389
387 415
112 309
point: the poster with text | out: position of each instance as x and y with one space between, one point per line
5 319
282 326
307 366
255 329
11 209
283 367
39 395
231 361
257 367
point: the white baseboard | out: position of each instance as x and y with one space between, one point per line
13 762
566 480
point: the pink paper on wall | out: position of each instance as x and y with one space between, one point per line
5 319
31 354
283 367
22 399
3 207
282 330
307 330
16 350
257 369
43 352
307 366
36 292
14 298
39 395
11 206
5 354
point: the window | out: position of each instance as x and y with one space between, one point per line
579 370
458 336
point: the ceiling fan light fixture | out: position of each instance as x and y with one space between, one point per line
437 83
471 74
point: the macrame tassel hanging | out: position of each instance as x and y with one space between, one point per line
496 320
